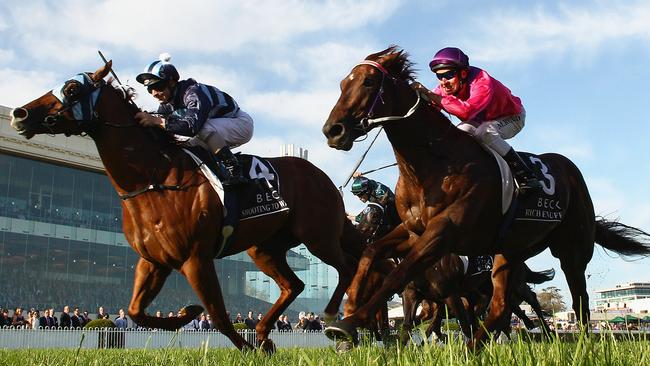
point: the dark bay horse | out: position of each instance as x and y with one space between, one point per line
174 219
446 283
449 198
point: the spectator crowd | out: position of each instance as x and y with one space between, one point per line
49 318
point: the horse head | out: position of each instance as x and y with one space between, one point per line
362 105
67 109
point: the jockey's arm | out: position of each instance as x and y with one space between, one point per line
189 120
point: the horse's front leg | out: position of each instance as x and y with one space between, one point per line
410 302
201 275
381 249
275 266
148 280
425 250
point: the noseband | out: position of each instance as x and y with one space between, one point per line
368 122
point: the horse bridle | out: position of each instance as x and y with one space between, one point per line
90 94
367 123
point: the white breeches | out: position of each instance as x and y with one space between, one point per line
219 132
493 133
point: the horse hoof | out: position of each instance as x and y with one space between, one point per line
329 318
191 311
268 347
342 331
344 347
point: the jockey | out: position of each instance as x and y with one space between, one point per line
201 114
370 190
487 109
379 195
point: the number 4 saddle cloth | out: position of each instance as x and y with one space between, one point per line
259 197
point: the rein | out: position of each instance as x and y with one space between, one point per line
367 123
85 115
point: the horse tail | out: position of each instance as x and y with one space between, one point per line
539 277
622 239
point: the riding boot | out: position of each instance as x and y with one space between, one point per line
527 178
233 169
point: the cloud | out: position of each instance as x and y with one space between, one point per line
192 25
297 109
515 36
19 87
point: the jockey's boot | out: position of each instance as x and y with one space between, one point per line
233 169
527 178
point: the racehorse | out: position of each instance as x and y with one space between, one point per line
446 282
173 217
449 198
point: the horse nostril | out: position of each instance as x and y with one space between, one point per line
335 130
19 113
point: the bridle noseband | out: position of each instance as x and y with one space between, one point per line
367 123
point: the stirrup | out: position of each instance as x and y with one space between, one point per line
234 181
526 185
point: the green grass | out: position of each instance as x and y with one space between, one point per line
585 350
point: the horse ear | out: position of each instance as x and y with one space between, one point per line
102 71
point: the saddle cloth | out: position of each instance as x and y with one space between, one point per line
544 205
259 197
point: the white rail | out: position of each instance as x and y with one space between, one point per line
14 338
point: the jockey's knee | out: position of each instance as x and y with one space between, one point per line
215 141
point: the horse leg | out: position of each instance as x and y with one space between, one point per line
522 315
575 277
502 273
436 323
344 265
148 279
531 298
463 315
201 275
409 306
426 250
275 266
378 250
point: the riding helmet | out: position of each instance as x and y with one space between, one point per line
449 57
159 70
361 185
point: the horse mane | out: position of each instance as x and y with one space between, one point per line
129 95
396 60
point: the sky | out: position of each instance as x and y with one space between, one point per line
579 68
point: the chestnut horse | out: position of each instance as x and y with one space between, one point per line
448 196
173 217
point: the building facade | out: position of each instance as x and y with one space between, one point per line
61 240
627 296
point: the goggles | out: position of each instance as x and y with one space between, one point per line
447 75
157 86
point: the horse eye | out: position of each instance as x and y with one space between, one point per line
368 82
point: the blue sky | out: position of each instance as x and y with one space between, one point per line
580 68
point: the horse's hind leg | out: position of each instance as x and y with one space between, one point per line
525 293
573 244
201 275
275 266
504 274
148 280
329 250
